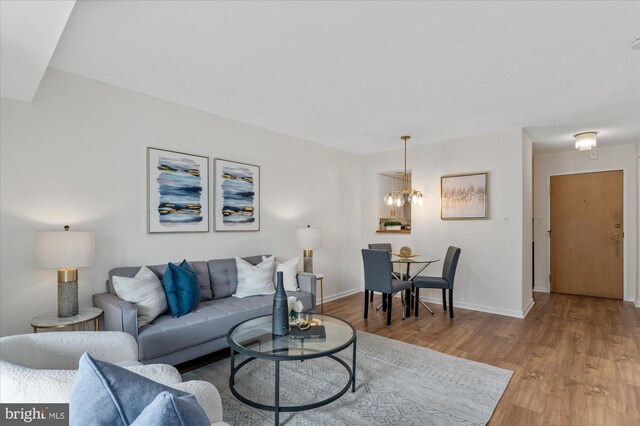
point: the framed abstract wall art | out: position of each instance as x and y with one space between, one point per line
464 196
177 192
236 196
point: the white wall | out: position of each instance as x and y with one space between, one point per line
491 273
77 155
527 222
622 157
638 234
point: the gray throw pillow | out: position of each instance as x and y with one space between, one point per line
107 395
145 291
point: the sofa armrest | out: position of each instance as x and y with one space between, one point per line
23 385
119 315
207 396
61 351
307 282
164 374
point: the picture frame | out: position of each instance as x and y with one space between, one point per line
464 196
236 196
177 192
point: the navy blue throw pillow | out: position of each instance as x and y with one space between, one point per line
181 287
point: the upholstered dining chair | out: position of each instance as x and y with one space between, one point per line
380 246
377 277
445 282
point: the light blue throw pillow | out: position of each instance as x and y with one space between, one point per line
107 395
181 287
169 410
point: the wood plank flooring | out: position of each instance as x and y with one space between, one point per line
576 359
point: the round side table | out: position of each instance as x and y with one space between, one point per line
52 320
320 278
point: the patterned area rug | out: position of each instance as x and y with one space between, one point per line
396 384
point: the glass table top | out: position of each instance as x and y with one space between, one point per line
417 259
254 338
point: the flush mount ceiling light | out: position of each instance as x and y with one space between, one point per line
635 44
585 141
398 198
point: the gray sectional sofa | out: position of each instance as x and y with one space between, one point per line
172 340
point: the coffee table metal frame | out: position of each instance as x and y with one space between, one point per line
253 355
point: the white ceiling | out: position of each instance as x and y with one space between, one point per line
29 33
358 75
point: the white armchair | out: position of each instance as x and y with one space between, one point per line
41 367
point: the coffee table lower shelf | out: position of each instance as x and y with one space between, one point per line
289 409
241 339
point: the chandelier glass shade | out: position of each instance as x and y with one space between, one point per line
400 197
585 141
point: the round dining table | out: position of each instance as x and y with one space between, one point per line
422 262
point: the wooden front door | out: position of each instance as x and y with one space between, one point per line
587 234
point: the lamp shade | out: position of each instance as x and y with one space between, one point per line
64 249
309 238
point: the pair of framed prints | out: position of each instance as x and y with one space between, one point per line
178 193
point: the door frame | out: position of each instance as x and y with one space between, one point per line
625 219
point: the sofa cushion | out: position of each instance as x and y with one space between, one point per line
181 286
208 321
223 275
200 268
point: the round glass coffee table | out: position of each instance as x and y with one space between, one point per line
253 338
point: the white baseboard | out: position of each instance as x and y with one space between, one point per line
481 308
337 295
541 290
528 308
637 303
438 300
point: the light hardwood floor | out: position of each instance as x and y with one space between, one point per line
576 359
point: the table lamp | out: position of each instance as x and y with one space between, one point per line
65 251
308 239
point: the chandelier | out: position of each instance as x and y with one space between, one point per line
398 198
585 141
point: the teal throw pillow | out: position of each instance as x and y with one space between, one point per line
181 287
107 395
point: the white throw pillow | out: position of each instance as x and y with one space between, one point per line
145 291
254 280
289 269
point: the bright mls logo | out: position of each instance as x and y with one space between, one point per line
37 414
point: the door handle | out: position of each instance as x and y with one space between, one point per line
616 236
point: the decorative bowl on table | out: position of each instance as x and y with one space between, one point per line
405 252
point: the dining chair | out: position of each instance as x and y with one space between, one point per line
380 246
377 277
445 282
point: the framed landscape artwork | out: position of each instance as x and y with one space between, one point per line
464 196
236 196
177 192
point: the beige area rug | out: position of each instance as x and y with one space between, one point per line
396 384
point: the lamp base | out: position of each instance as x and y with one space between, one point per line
67 299
308 261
